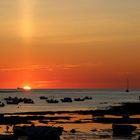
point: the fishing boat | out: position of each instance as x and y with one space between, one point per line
52 101
79 99
12 101
66 99
28 101
43 98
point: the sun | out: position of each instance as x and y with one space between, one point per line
27 87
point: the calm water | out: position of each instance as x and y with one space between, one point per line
101 99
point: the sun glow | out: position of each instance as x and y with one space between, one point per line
26 18
27 87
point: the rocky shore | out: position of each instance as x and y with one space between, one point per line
105 123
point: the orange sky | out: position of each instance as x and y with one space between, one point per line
69 44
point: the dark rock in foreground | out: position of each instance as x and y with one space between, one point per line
5 137
121 130
35 133
121 110
39 132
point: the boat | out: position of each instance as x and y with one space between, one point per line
88 98
52 101
8 98
66 99
43 98
127 86
122 129
20 88
28 101
23 89
79 99
12 101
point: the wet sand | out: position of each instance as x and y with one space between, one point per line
81 121
80 124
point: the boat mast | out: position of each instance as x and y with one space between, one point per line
127 85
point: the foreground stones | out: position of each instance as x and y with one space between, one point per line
35 133
39 132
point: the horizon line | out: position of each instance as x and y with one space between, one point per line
70 88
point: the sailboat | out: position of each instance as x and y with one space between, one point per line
127 86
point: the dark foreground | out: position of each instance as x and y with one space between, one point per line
34 133
121 121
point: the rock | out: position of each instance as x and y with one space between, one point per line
39 132
73 131
120 129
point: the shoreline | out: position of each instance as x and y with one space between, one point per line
128 108
91 123
84 112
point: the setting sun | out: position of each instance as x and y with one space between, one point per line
27 88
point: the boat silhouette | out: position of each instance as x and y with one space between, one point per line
127 86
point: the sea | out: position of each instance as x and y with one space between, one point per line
101 98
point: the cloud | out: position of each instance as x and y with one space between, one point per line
45 83
31 67
71 66
49 67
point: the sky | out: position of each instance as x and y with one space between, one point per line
69 43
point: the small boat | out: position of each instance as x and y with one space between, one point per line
8 98
20 88
120 129
66 99
79 99
52 101
88 98
43 98
28 101
12 101
127 86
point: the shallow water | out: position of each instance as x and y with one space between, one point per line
101 99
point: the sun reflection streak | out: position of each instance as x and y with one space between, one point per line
26 26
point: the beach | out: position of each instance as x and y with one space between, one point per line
76 117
